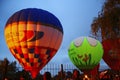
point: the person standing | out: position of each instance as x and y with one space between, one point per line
47 76
76 75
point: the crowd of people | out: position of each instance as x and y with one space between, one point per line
62 75
75 75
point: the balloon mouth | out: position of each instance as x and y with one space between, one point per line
33 71
34 74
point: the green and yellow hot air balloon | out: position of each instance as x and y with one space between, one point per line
85 53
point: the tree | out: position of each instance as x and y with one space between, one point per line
23 74
7 69
4 67
11 70
107 24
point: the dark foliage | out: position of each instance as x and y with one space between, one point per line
107 24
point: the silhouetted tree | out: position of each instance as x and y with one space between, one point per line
24 74
3 67
7 69
107 24
11 70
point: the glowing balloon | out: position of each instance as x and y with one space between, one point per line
85 53
112 53
33 37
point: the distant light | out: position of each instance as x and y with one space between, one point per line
86 76
105 72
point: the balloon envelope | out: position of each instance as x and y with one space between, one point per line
112 53
85 53
33 36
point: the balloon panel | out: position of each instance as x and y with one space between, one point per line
112 53
85 52
33 41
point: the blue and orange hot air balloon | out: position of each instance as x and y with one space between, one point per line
33 36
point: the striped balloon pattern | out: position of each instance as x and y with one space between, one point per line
33 36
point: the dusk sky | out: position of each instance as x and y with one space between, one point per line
75 16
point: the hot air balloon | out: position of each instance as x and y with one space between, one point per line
85 53
33 36
112 53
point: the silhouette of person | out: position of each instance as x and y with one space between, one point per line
76 74
47 76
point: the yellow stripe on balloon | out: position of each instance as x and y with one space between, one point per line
8 36
24 50
23 60
35 60
30 55
18 56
